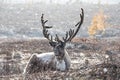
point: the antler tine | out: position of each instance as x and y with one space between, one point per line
45 31
57 38
79 23
71 34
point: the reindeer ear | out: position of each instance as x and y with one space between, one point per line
53 44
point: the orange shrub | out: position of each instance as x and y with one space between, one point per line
98 24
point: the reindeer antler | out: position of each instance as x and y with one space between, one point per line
71 34
45 31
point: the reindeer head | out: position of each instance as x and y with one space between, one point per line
58 44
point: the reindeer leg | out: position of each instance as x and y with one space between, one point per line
28 68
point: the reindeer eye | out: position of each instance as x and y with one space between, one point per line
62 45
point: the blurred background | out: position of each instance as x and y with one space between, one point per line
21 18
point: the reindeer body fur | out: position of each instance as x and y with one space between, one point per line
45 61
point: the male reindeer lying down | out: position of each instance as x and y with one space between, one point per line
59 59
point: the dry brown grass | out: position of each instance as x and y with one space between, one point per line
109 70
93 50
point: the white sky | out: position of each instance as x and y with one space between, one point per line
102 1
63 1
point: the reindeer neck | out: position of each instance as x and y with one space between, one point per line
67 60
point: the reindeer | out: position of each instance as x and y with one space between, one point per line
59 59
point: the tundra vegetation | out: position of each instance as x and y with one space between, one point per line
91 58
